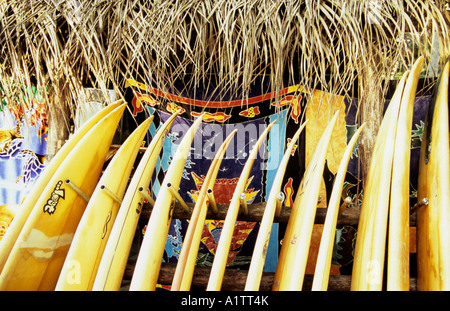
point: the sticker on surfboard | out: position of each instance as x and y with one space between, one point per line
52 202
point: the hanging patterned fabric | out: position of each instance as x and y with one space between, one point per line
250 117
23 146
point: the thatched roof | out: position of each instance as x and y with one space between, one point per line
65 45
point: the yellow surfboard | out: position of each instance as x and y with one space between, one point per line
150 255
323 263
184 271
115 256
24 210
223 247
85 253
294 252
398 237
265 228
41 247
368 263
433 221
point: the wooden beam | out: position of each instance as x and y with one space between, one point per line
234 280
348 216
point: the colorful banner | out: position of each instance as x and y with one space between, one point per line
23 147
206 142
250 117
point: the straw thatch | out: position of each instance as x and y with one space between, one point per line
221 46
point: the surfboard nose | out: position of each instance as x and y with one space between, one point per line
117 112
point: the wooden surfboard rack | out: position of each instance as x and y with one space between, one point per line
235 279
347 216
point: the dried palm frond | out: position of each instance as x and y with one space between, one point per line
218 46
